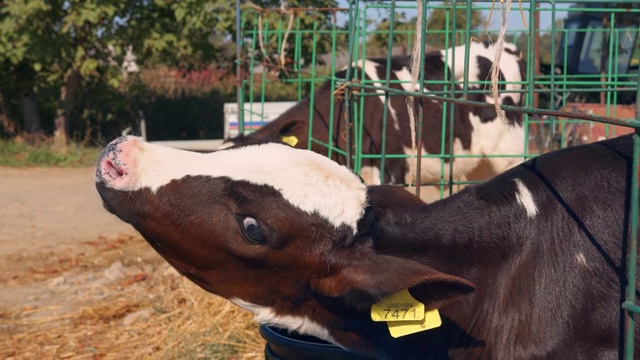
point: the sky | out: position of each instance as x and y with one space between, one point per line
515 21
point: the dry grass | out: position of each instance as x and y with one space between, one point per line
148 311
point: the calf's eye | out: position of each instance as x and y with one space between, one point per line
252 230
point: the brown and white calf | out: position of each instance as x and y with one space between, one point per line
529 265
476 131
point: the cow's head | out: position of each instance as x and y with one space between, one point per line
283 232
290 128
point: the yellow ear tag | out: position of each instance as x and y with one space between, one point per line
404 314
291 140
431 320
400 306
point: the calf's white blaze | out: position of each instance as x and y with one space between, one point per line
302 325
525 198
582 260
305 179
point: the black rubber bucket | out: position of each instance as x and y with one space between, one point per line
285 345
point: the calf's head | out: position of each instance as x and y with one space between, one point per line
292 127
283 232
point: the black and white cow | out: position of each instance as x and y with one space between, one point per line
528 265
476 131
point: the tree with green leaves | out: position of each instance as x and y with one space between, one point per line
440 21
52 52
442 18
74 45
402 36
285 36
56 44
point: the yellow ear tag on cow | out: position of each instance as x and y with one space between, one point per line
431 320
291 140
404 314
400 306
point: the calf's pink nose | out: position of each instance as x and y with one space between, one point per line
114 164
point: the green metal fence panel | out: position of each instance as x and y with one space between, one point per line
581 82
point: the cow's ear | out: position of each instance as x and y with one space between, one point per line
292 126
389 196
291 131
363 282
381 198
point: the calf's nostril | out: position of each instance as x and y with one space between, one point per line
111 170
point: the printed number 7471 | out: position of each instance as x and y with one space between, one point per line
400 314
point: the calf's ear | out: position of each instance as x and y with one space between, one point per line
292 126
364 282
389 196
380 198
291 131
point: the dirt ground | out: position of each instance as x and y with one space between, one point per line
76 282
51 209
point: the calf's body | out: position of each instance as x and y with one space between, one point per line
529 265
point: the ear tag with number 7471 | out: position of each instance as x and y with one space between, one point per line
404 314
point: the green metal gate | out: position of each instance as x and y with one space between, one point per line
585 89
